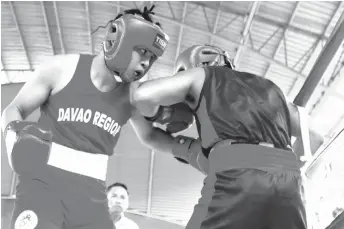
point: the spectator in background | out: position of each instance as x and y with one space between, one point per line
118 203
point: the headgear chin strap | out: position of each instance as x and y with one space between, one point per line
202 55
128 33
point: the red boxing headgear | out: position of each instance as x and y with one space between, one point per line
130 32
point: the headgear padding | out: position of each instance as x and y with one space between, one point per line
200 55
130 32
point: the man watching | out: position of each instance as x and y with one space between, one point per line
118 203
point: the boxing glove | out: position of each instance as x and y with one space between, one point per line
182 118
177 117
189 151
31 147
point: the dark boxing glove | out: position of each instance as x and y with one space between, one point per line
177 117
31 148
31 128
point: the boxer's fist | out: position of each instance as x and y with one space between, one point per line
10 139
177 117
181 119
31 147
10 133
26 128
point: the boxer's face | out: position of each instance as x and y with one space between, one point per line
141 60
118 200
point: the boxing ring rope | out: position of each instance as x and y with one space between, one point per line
317 72
323 183
154 217
318 168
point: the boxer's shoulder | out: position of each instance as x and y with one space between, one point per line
64 67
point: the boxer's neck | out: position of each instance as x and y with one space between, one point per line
102 78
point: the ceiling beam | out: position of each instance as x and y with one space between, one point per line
185 6
331 91
171 10
150 182
89 26
259 18
47 27
218 14
264 57
299 82
226 39
20 34
341 18
4 73
326 31
59 27
283 37
246 31
118 7
136 6
321 65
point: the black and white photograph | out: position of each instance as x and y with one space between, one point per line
172 114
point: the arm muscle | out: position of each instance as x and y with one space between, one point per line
33 94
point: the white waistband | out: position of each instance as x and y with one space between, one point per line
83 163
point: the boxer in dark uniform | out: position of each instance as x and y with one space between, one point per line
84 100
245 127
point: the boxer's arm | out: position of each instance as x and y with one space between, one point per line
33 94
183 148
189 150
151 136
316 140
184 86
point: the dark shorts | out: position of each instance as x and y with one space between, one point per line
60 199
249 198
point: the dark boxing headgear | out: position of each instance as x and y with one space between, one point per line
202 55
